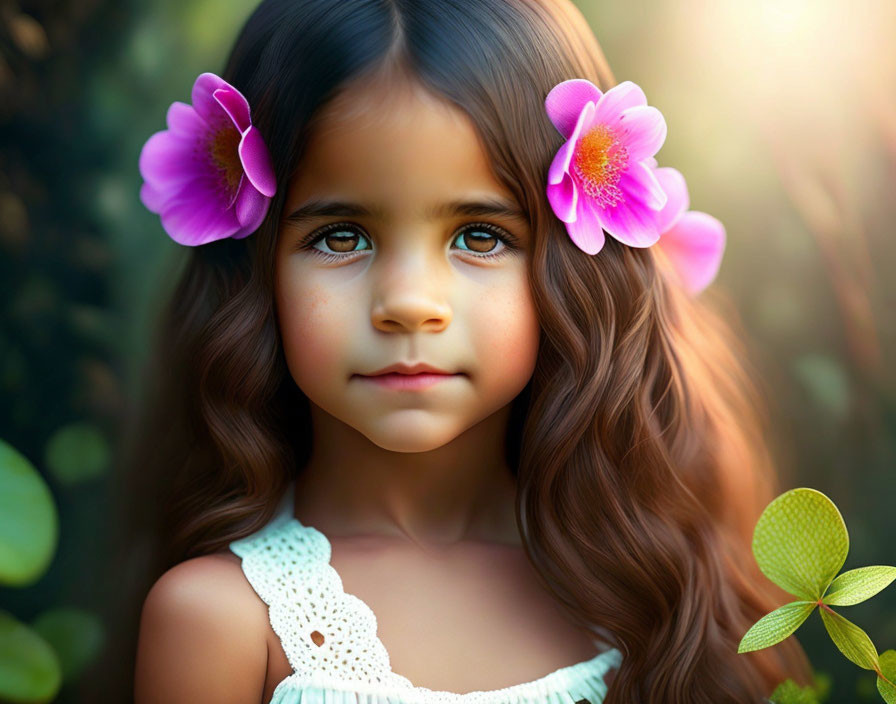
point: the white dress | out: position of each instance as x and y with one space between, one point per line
330 638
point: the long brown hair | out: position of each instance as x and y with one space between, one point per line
638 445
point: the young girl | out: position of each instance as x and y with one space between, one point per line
417 434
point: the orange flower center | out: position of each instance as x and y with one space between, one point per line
224 151
599 160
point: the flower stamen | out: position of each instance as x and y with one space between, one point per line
224 153
599 161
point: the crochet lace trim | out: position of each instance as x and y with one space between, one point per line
330 636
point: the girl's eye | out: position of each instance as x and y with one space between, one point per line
341 239
484 238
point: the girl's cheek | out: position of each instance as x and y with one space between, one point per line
313 331
507 334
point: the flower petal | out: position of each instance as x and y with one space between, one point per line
563 157
184 121
167 161
202 96
563 197
250 208
586 230
566 101
256 162
643 129
560 165
153 200
618 98
695 245
235 105
640 182
673 183
199 215
631 223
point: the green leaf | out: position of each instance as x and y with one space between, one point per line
77 452
775 626
855 586
800 542
29 669
29 526
852 641
887 691
888 669
76 637
789 692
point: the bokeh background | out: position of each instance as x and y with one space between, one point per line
781 114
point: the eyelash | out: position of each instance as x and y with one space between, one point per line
511 243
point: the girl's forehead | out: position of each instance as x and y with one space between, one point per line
405 146
384 112
372 99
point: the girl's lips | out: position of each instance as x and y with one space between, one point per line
409 382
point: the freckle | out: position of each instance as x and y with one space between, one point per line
315 301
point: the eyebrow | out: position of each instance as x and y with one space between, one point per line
488 207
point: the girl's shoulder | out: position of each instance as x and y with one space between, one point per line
215 579
214 584
201 623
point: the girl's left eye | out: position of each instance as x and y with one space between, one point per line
477 238
479 243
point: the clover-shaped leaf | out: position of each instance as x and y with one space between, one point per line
800 542
852 641
855 586
887 687
776 626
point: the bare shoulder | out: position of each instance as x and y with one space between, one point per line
202 636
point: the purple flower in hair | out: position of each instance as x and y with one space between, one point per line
209 175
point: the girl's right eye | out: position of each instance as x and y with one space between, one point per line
339 237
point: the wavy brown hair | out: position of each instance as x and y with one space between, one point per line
638 444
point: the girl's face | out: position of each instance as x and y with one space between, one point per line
383 258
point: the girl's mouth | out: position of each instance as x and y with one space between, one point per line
409 382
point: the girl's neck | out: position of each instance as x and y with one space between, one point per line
462 490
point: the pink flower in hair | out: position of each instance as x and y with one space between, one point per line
209 175
692 240
600 179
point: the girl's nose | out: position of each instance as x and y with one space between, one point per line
411 296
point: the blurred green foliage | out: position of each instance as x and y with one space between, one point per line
30 669
788 692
